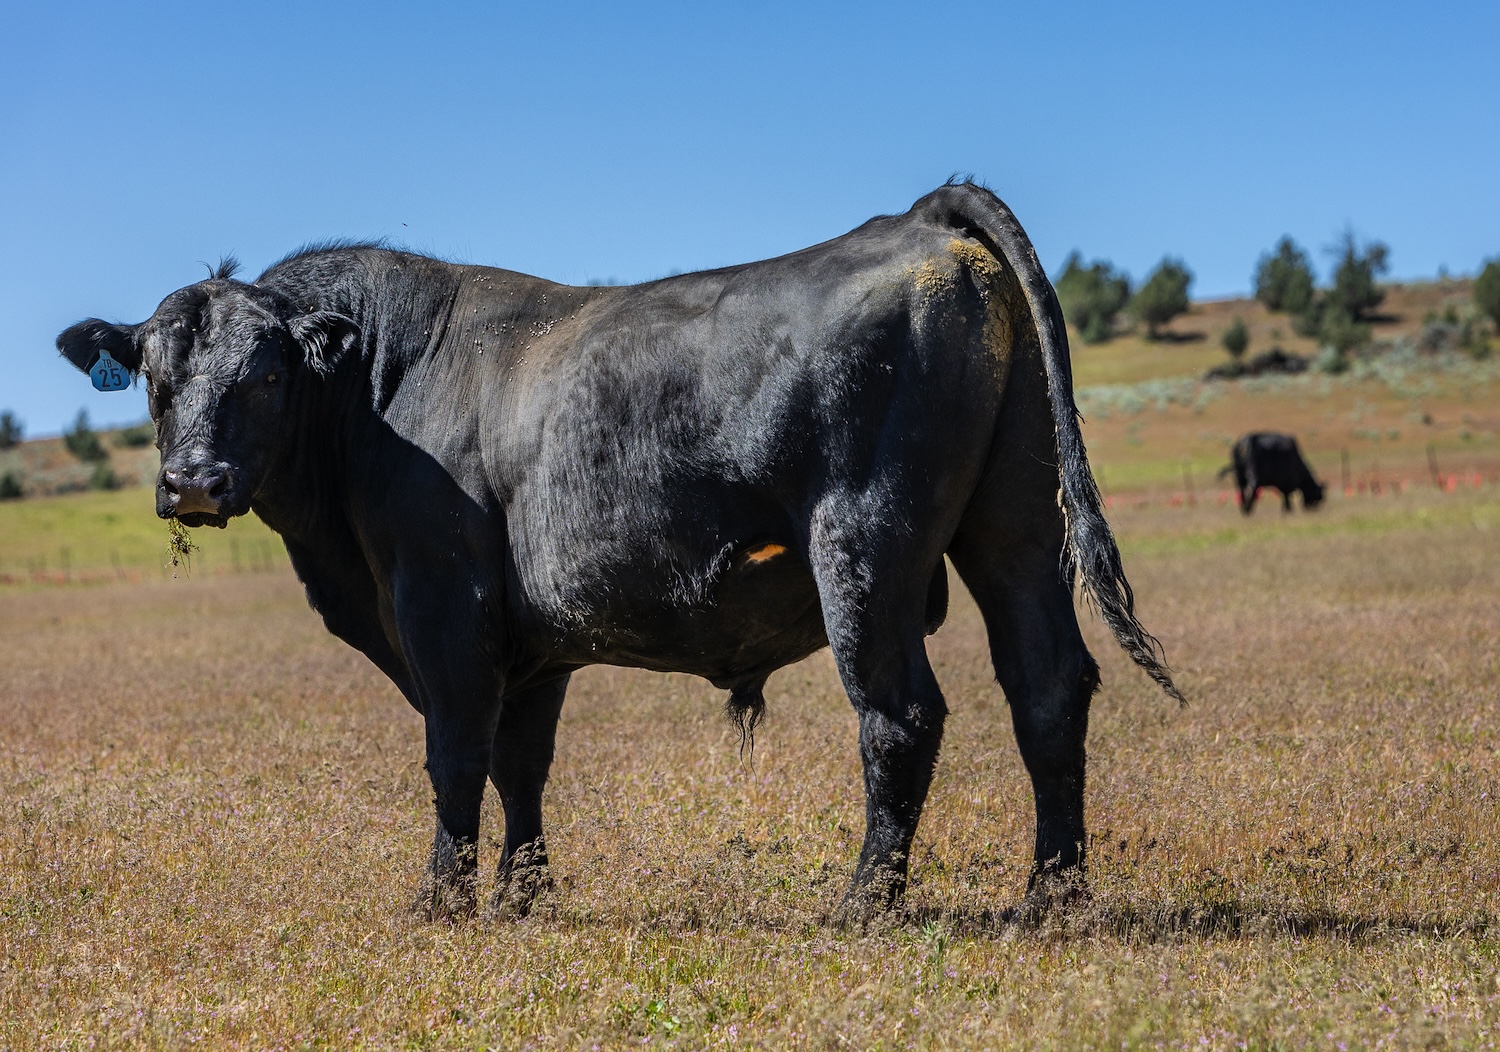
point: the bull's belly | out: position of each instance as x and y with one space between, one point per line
761 614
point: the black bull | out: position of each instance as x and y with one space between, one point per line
486 481
1267 458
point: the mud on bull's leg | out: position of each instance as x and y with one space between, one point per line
520 760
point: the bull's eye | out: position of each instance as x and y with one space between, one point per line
273 378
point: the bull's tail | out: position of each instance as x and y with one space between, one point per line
1225 471
1091 556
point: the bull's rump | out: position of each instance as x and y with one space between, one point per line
668 431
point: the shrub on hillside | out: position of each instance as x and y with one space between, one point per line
1236 338
1342 333
1355 291
1337 317
10 486
1267 363
1486 291
1467 328
1284 279
1309 322
136 437
1329 360
104 477
1091 297
1438 336
83 442
1163 296
10 430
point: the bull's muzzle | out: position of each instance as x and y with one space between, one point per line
195 489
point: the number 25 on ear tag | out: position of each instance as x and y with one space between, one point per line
108 374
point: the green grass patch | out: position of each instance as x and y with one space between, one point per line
1153 533
103 534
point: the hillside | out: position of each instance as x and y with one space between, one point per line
45 468
1154 428
1191 344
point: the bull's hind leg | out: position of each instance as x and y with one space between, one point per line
874 607
519 762
1048 677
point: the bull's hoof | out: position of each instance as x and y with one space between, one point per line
873 900
1051 892
445 900
516 894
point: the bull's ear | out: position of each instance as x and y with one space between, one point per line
324 338
82 343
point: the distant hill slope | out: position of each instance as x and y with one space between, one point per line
45 468
1191 342
1150 424
1405 417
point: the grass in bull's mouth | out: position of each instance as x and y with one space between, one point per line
180 546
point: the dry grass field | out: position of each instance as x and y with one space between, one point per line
215 815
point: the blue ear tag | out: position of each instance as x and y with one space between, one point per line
108 374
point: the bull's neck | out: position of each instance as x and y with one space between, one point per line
401 305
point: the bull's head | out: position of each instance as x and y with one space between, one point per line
221 360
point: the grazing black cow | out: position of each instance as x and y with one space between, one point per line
486 481
1267 458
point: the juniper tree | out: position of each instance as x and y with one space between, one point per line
1284 279
1486 291
83 442
1355 291
1091 296
1236 338
1163 296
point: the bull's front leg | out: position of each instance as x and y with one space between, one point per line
458 689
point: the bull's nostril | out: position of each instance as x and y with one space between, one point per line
195 489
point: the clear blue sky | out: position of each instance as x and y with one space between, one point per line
625 141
